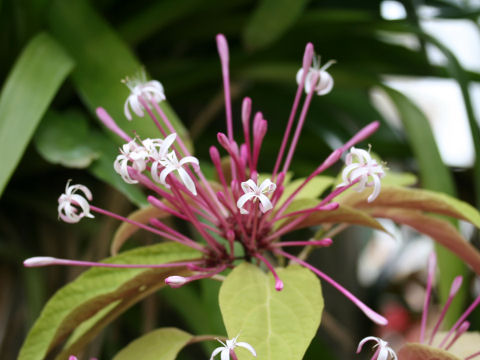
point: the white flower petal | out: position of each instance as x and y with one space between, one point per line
248 347
164 174
187 181
216 352
266 204
225 354
242 200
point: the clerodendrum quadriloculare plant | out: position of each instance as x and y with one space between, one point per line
241 219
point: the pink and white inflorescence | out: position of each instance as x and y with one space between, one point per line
241 208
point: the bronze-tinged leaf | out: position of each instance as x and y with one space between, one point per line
98 296
122 299
344 214
125 230
416 351
440 230
416 199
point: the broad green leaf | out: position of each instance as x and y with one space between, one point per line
312 190
103 60
443 232
96 289
66 139
344 214
416 199
125 230
433 173
271 20
160 344
278 324
28 91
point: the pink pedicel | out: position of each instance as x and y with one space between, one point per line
258 221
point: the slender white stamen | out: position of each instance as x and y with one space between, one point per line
385 352
150 91
70 203
253 192
361 166
324 84
230 345
134 154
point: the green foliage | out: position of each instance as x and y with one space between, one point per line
270 20
160 344
31 85
96 289
279 325
67 139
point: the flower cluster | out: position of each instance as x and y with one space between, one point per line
439 345
242 208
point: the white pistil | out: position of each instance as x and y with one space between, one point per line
151 91
325 81
385 352
134 153
70 203
361 166
230 345
252 192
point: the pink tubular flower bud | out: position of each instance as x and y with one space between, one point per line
38 261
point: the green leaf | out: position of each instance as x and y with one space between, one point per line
160 344
278 324
433 173
416 199
312 190
271 20
66 139
96 289
28 91
102 59
443 232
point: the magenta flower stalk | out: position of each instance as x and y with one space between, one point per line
438 341
242 208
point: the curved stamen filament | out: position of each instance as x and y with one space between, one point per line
278 281
432 264
375 317
184 241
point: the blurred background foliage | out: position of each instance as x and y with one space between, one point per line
61 59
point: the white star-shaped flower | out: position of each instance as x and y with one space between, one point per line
70 203
170 163
134 154
325 81
252 192
385 353
360 165
151 91
229 346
